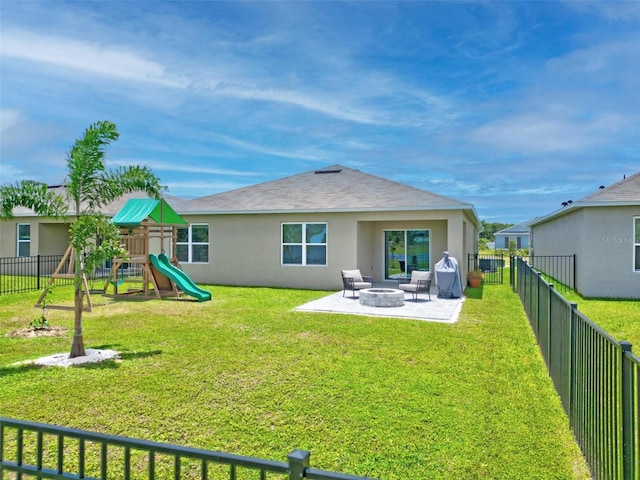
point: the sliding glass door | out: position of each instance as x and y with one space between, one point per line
405 251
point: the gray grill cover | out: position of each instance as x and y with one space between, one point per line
448 277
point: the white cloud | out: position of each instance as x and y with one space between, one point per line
124 63
546 132
308 153
95 58
9 119
191 189
308 102
182 167
623 11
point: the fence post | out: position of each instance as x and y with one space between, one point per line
298 463
550 301
572 365
38 271
627 412
537 278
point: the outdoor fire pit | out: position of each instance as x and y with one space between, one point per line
381 297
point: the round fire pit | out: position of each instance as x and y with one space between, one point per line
381 297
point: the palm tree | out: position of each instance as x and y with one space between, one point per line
90 186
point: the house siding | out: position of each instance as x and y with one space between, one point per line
8 236
48 237
602 239
502 241
245 249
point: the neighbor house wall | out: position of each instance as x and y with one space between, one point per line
560 236
48 237
53 238
8 236
502 244
602 239
606 266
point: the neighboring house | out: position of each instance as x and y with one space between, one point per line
519 234
603 231
300 231
27 234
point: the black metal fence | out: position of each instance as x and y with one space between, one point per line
597 377
491 264
557 269
25 274
47 451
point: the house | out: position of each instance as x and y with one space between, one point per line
603 231
300 231
27 234
519 234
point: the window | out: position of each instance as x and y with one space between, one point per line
636 244
192 244
405 251
24 240
304 244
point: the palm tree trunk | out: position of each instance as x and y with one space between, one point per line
77 347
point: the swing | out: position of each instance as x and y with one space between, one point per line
119 280
92 288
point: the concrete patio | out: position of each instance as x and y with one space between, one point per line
443 310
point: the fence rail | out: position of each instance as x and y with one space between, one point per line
47 451
558 269
491 264
596 377
25 274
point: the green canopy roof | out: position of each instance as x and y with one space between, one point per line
136 210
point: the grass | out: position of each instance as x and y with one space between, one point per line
618 317
244 374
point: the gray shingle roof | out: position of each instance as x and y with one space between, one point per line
334 188
626 190
514 229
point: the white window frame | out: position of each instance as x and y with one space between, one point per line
20 241
190 243
304 244
636 244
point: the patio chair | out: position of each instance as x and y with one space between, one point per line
353 280
420 282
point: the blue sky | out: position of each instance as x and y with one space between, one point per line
514 107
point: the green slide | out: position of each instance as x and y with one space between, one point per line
177 276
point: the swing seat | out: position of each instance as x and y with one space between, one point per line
117 283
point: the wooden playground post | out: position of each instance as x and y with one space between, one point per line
69 256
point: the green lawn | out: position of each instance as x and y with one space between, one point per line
244 374
620 318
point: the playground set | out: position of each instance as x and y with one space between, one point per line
145 225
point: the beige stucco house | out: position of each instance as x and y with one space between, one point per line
603 231
300 231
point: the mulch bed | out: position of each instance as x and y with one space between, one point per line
38 332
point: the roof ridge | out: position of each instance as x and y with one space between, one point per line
421 190
235 190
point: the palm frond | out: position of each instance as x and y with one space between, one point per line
86 164
34 195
